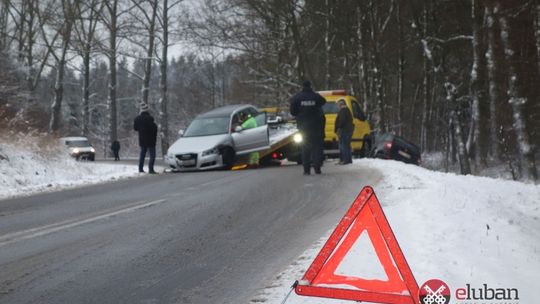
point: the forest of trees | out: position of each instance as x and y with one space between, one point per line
454 76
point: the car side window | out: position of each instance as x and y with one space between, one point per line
235 121
357 112
260 117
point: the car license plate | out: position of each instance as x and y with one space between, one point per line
404 154
188 162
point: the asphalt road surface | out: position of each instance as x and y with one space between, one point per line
207 237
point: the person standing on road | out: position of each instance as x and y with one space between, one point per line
147 128
115 147
344 129
306 106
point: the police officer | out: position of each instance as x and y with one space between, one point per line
306 106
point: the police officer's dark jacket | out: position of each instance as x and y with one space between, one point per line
307 107
147 128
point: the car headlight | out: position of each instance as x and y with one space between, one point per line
210 152
92 150
297 138
76 151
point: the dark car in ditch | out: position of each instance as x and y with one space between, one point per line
391 146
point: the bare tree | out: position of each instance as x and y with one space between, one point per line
427 63
62 27
89 14
301 64
379 18
493 67
516 99
479 134
111 18
149 15
327 42
462 150
401 69
537 31
164 20
27 25
4 19
361 58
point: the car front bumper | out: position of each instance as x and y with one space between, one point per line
83 155
194 161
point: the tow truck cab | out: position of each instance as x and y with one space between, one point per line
361 140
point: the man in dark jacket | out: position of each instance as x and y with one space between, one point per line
115 147
344 129
306 106
147 128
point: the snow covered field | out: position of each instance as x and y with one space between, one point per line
459 229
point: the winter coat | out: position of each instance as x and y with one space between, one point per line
306 106
147 128
115 146
249 123
344 121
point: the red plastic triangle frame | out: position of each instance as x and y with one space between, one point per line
365 214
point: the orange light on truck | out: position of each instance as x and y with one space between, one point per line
333 92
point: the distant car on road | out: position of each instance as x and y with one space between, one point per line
390 146
214 139
79 147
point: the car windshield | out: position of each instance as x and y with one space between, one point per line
330 108
385 137
208 126
78 143
405 143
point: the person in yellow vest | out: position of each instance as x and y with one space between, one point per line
248 122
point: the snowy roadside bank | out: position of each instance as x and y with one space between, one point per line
29 166
460 229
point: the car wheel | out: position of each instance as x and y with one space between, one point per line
227 156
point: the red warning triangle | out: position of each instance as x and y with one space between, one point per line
364 216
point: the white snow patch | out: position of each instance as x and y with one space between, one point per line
460 229
36 165
362 253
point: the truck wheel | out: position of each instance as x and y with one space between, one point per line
227 156
366 147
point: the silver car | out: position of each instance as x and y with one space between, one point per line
215 138
79 147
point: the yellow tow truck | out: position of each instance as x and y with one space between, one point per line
361 139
